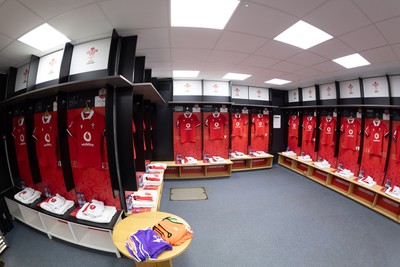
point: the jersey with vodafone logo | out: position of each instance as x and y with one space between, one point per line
216 123
396 136
260 122
328 128
350 129
45 133
187 123
293 126
238 125
88 129
375 132
19 135
309 125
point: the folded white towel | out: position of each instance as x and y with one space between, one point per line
346 173
289 153
56 201
26 193
152 178
157 166
144 198
189 160
106 216
61 210
94 209
367 181
305 158
27 200
217 159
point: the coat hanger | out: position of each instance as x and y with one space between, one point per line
187 112
376 118
46 113
87 108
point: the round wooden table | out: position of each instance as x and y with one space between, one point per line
140 221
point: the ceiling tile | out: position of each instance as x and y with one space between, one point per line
16 20
246 69
332 49
286 67
141 14
379 55
232 41
149 38
77 24
396 49
306 59
390 30
270 74
278 50
4 41
307 72
226 57
154 55
259 20
161 73
363 39
194 38
161 65
190 54
328 67
6 63
337 17
259 61
379 10
298 8
18 52
48 9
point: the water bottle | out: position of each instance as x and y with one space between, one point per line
23 184
388 183
288 149
141 181
340 167
361 174
47 192
129 202
78 197
147 168
83 199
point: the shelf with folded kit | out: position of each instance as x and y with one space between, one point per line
196 170
64 227
247 162
373 197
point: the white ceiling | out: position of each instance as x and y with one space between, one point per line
246 45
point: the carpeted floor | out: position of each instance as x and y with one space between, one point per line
258 218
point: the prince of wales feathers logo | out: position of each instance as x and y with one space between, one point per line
91 53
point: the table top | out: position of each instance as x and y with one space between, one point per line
140 221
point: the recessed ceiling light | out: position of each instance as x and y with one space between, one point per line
277 81
236 76
351 61
202 14
303 35
185 73
44 37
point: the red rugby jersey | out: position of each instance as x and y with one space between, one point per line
328 128
215 123
89 130
375 132
238 125
260 122
187 124
309 125
293 126
351 130
45 133
19 134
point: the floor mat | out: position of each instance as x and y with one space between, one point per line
191 193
